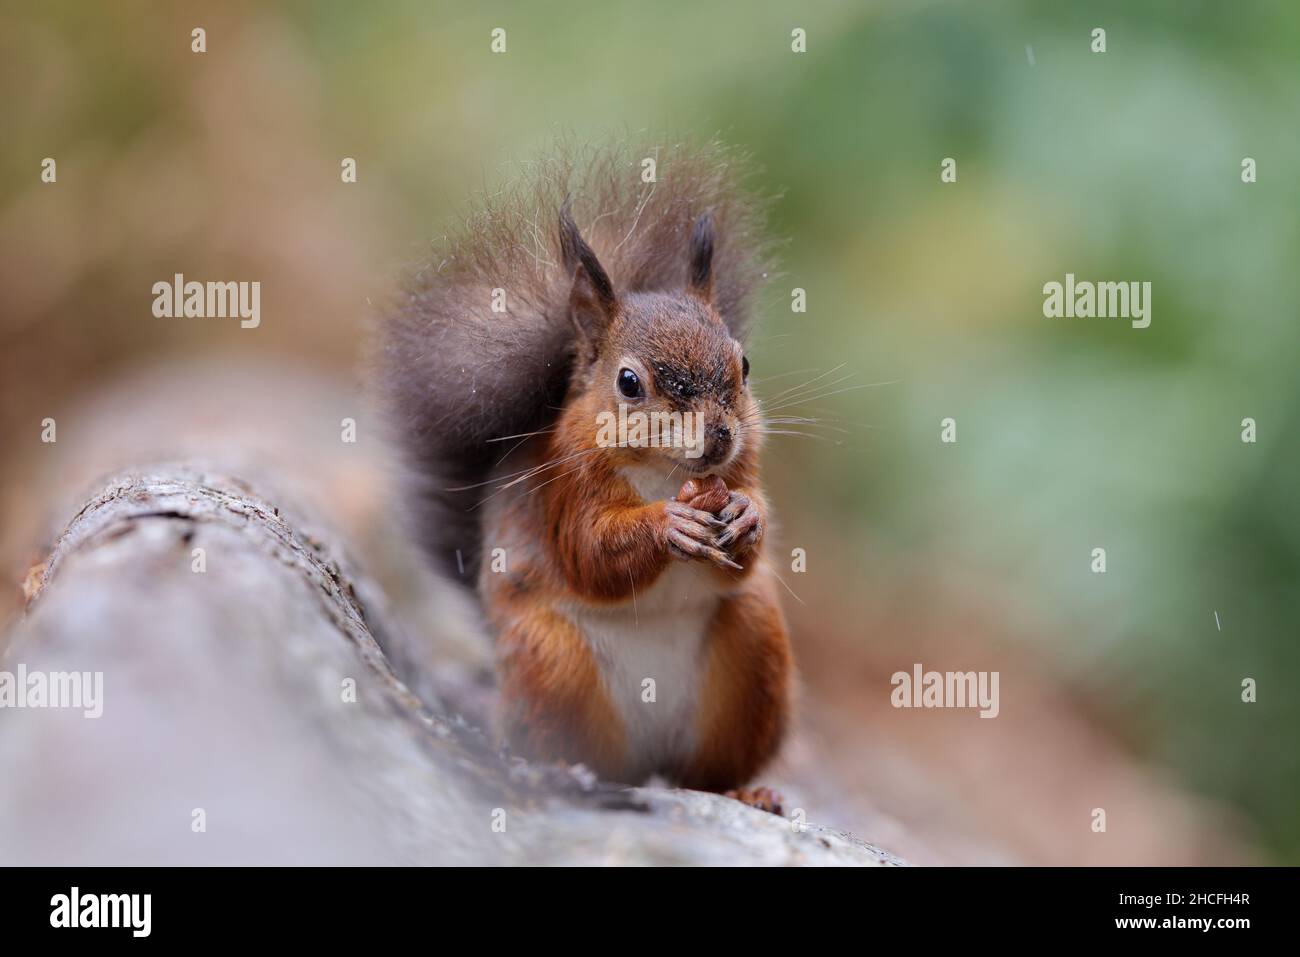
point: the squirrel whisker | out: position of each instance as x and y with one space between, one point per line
802 385
826 395
520 435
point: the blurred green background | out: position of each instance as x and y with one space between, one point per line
1072 434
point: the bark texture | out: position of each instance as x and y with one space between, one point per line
250 714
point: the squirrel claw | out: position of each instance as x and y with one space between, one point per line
735 507
694 533
682 545
683 511
744 522
762 799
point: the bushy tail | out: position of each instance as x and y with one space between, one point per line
478 346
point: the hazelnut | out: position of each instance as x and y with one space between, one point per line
708 493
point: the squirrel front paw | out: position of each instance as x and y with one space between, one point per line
744 523
691 533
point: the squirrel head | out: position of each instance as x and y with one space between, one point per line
661 366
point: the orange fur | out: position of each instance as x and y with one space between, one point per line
581 543
555 706
587 537
745 705
608 543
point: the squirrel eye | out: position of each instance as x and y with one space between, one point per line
629 384
744 367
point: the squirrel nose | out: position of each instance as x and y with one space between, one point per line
719 444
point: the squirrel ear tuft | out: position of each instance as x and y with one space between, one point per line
592 303
700 274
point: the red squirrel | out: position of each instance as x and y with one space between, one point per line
637 623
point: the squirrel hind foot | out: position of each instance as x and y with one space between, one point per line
760 798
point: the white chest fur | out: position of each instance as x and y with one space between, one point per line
650 651
654 483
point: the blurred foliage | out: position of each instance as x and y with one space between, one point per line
1072 433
